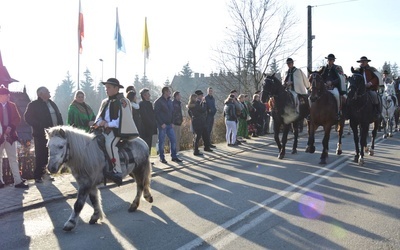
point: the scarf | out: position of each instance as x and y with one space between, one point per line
83 108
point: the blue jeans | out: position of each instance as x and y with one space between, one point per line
162 132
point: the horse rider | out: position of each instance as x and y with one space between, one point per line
371 78
296 82
115 115
331 75
386 79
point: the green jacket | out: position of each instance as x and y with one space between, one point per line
80 116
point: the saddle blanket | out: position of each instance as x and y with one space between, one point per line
126 155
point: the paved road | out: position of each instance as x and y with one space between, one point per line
233 200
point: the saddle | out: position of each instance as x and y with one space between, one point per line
124 151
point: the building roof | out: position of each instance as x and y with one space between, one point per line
21 99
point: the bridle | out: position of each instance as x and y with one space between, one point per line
356 94
66 155
313 82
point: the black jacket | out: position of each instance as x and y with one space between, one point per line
37 115
177 117
198 113
163 111
149 125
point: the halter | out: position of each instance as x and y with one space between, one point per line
314 85
356 95
66 156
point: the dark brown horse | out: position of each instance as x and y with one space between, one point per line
323 112
283 112
361 114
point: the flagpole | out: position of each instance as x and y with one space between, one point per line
115 53
79 40
116 43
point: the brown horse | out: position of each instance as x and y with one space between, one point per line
323 112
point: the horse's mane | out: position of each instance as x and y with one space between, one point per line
84 150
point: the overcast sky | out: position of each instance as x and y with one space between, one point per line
38 39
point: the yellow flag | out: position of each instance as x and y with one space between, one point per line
146 43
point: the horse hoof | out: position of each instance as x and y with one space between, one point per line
355 159
69 225
93 220
312 149
361 162
390 135
132 208
322 162
371 153
307 150
280 156
149 199
384 136
339 152
294 151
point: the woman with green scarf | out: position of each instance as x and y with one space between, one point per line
80 114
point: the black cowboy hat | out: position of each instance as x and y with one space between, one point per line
198 92
289 60
331 56
386 72
113 81
363 58
4 90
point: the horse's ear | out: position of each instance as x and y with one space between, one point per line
62 133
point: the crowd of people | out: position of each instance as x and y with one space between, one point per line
123 116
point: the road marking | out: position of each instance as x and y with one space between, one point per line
285 193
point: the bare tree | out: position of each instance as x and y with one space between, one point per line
262 30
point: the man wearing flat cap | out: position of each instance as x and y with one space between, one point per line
372 81
386 79
115 115
333 77
198 113
296 82
10 119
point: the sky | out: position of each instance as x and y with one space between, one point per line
39 39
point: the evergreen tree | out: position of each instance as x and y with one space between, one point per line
186 71
273 67
395 70
88 88
64 95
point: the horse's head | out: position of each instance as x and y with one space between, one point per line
357 84
270 87
389 89
58 148
317 85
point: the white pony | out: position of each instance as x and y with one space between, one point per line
389 104
80 152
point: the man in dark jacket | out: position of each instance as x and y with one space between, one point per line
41 114
149 126
198 113
177 118
211 111
163 110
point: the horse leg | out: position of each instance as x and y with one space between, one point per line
83 192
284 141
311 138
95 198
325 144
384 123
374 132
340 134
391 126
296 136
356 141
139 186
276 137
146 184
363 142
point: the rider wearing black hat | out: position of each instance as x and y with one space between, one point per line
331 75
115 115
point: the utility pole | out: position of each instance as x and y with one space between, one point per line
310 37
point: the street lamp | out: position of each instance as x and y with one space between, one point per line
102 68
102 72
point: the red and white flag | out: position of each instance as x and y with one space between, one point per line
81 28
